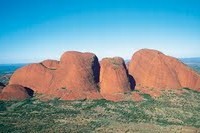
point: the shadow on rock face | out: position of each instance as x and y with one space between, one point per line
96 69
132 82
1 84
29 91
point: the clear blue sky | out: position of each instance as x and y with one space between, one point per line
33 30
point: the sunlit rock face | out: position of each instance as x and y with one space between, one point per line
80 76
153 69
74 77
114 78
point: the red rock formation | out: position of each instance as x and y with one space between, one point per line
14 92
114 78
75 77
78 71
153 69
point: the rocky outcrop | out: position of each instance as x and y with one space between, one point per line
152 69
78 73
114 76
74 77
80 76
15 92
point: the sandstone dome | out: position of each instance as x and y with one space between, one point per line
153 69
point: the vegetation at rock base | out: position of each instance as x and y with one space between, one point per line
170 112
